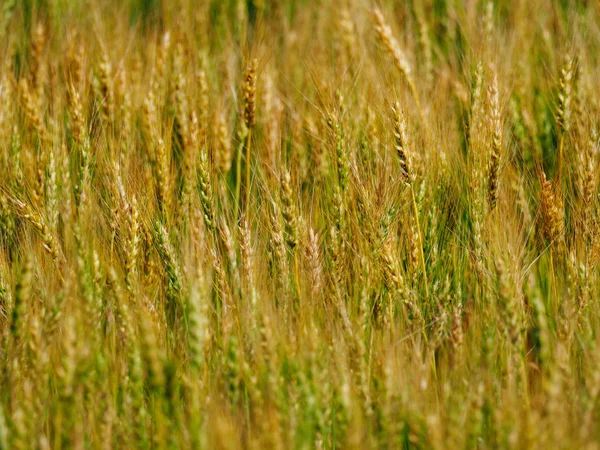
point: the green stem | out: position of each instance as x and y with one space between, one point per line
58 429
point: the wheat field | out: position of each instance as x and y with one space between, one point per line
276 224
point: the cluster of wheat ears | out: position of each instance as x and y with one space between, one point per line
299 224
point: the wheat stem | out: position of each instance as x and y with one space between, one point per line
248 147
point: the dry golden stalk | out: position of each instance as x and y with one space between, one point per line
551 210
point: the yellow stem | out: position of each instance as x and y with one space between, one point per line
238 179
296 274
560 157
248 144
555 297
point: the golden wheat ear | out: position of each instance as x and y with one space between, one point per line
496 145
401 142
